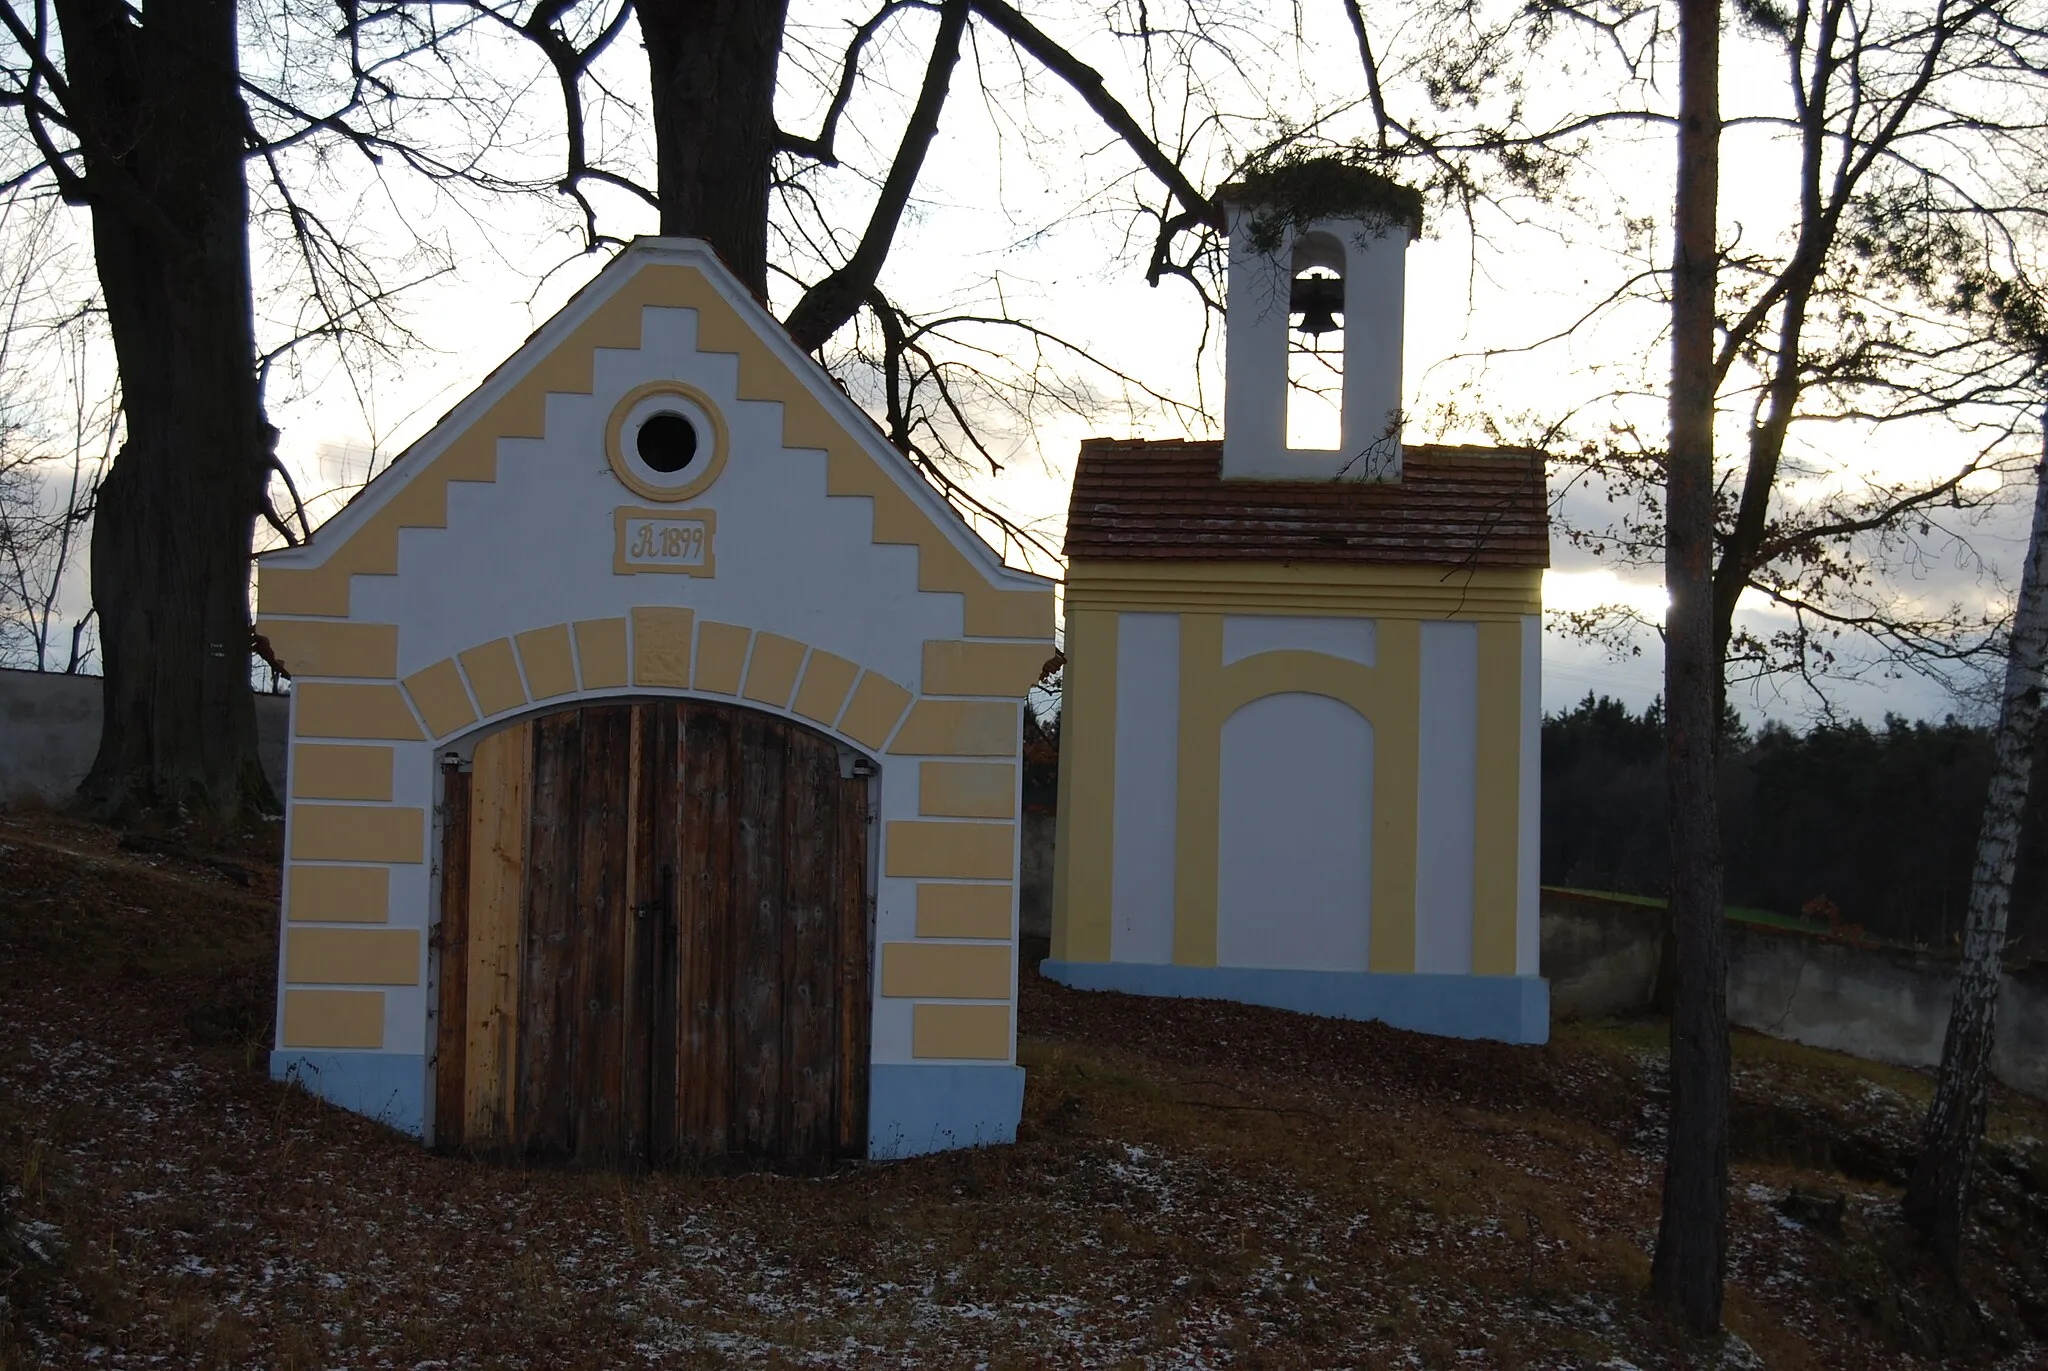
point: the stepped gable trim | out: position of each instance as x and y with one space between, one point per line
362 539
1453 506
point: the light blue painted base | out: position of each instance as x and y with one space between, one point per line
390 1087
1509 1009
913 1110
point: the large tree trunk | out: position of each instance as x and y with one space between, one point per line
1938 1196
712 65
155 102
1692 1238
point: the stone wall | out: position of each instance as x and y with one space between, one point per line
50 728
1034 894
1882 1003
1600 956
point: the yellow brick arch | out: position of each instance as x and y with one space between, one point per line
655 650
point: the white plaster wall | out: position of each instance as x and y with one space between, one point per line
1375 304
1529 830
1447 798
1145 815
1247 635
1294 849
1254 353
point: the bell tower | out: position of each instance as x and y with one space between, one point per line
1312 349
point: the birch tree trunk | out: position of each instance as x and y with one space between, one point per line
1938 1196
1692 1235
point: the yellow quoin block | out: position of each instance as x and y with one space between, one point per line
338 894
963 911
967 790
977 1032
946 971
358 833
334 1018
959 851
960 728
352 956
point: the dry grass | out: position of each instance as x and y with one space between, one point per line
1195 1184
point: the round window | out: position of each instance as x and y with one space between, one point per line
666 441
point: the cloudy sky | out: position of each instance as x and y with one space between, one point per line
1025 201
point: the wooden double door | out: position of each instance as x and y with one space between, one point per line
654 941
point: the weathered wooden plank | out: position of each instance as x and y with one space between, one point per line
854 959
540 1123
662 788
649 1045
642 895
757 903
704 1068
810 893
501 781
452 1020
600 939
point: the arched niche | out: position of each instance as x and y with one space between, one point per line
1294 835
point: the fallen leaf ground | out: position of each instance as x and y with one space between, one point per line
1194 1184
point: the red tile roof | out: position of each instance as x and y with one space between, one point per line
1461 506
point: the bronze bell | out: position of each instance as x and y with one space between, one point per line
1318 300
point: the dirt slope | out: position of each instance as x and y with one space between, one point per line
1197 1184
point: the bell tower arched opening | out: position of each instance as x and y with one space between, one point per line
1315 345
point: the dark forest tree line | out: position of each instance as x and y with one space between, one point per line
1878 823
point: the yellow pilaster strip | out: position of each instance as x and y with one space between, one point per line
1199 790
1495 848
1086 844
1397 769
